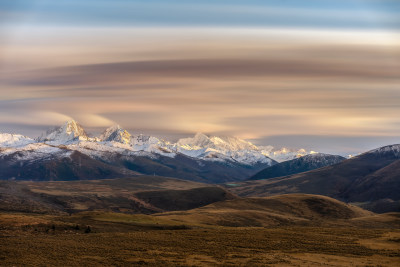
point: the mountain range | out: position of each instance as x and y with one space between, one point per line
298 165
371 180
68 153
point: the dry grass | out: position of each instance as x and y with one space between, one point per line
110 187
290 230
124 240
197 247
284 210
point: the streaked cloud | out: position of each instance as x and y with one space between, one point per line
255 69
32 117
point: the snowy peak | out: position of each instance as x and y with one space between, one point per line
200 146
70 131
222 148
117 134
233 143
284 154
153 145
198 141
73 128
14 140
238 149
201 140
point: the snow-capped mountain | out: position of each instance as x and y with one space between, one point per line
70 131
200 146
201 140
284 154
14 140
118 140
298 165
222 148
200 158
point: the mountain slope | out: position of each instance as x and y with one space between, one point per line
302 164
90 160
359 179
56 165
381 184
183 167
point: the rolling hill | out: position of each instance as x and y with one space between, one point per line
142 194
291 209
178 202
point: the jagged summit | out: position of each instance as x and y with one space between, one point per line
69 131
216 142
117 134
200 146
222 148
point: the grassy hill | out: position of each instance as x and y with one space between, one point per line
293 230
142 194
293 209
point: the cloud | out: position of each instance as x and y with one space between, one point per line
33 117
123 73
93 120
342 145
247 82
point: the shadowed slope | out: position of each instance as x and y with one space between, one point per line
184 199
64 166
298 165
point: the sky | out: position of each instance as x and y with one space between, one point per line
321 75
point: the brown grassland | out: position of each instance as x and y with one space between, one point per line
155 221
130 240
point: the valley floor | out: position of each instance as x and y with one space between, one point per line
121 240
